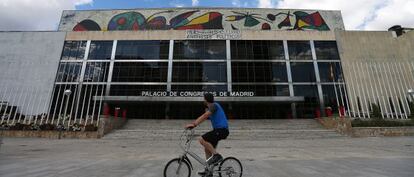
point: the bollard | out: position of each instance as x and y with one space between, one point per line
116 112
317 113
106 110
341 111
328 111
124 112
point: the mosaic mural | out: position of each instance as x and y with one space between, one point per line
183 19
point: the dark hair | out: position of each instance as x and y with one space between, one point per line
209 97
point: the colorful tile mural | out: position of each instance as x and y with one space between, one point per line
184 19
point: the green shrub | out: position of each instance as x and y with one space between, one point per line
411 105
91 127
19 126
47 126
376 111
381 123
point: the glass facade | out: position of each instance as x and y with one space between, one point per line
264 90
303 72
259 72
197 49
326 50
199 72
73 50
131 90
268 68
69 72
100 50
257 50
140 72
141 50
299 50
96 72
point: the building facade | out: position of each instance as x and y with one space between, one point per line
157 64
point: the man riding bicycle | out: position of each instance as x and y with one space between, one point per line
220 131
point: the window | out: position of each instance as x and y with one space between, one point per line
260 110
326 50
96 72
299 50
180 110
73 50
199 72
263 90
331 98
201 88
142 50
140 72
279 72
259 72
134 90
330 72
100 50
197 49
307 108
257 50
69 72
303 72
310 92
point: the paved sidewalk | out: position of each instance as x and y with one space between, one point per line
332 157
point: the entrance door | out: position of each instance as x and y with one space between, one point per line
192 110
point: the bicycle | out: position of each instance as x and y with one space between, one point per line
182 166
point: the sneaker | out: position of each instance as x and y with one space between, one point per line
202 173
213 160
205 173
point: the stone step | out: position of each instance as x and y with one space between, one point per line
238 124
235 134
258 129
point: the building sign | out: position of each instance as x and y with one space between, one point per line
194 94
213 34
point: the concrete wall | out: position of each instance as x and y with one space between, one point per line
28 66
378 67
181 35
201 18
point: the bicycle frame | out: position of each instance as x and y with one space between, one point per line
189 136
186 150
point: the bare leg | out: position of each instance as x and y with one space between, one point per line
208 148
208 154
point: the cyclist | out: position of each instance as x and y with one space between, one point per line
220 131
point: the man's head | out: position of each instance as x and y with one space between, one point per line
208 98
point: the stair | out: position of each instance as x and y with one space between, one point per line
259 129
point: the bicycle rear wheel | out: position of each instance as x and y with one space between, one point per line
177 168
230 167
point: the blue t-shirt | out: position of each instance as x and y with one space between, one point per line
218 118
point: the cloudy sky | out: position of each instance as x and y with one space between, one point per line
29 15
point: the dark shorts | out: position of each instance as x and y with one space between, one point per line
214 136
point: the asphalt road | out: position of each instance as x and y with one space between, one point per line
341 157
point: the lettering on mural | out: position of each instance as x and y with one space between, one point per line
195 94
213 34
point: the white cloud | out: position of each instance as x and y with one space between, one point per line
237 3
396 12
362 14
267 3
194 2
30 15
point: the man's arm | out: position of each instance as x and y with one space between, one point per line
199 120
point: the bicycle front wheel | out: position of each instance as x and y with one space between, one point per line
177 168
230 167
